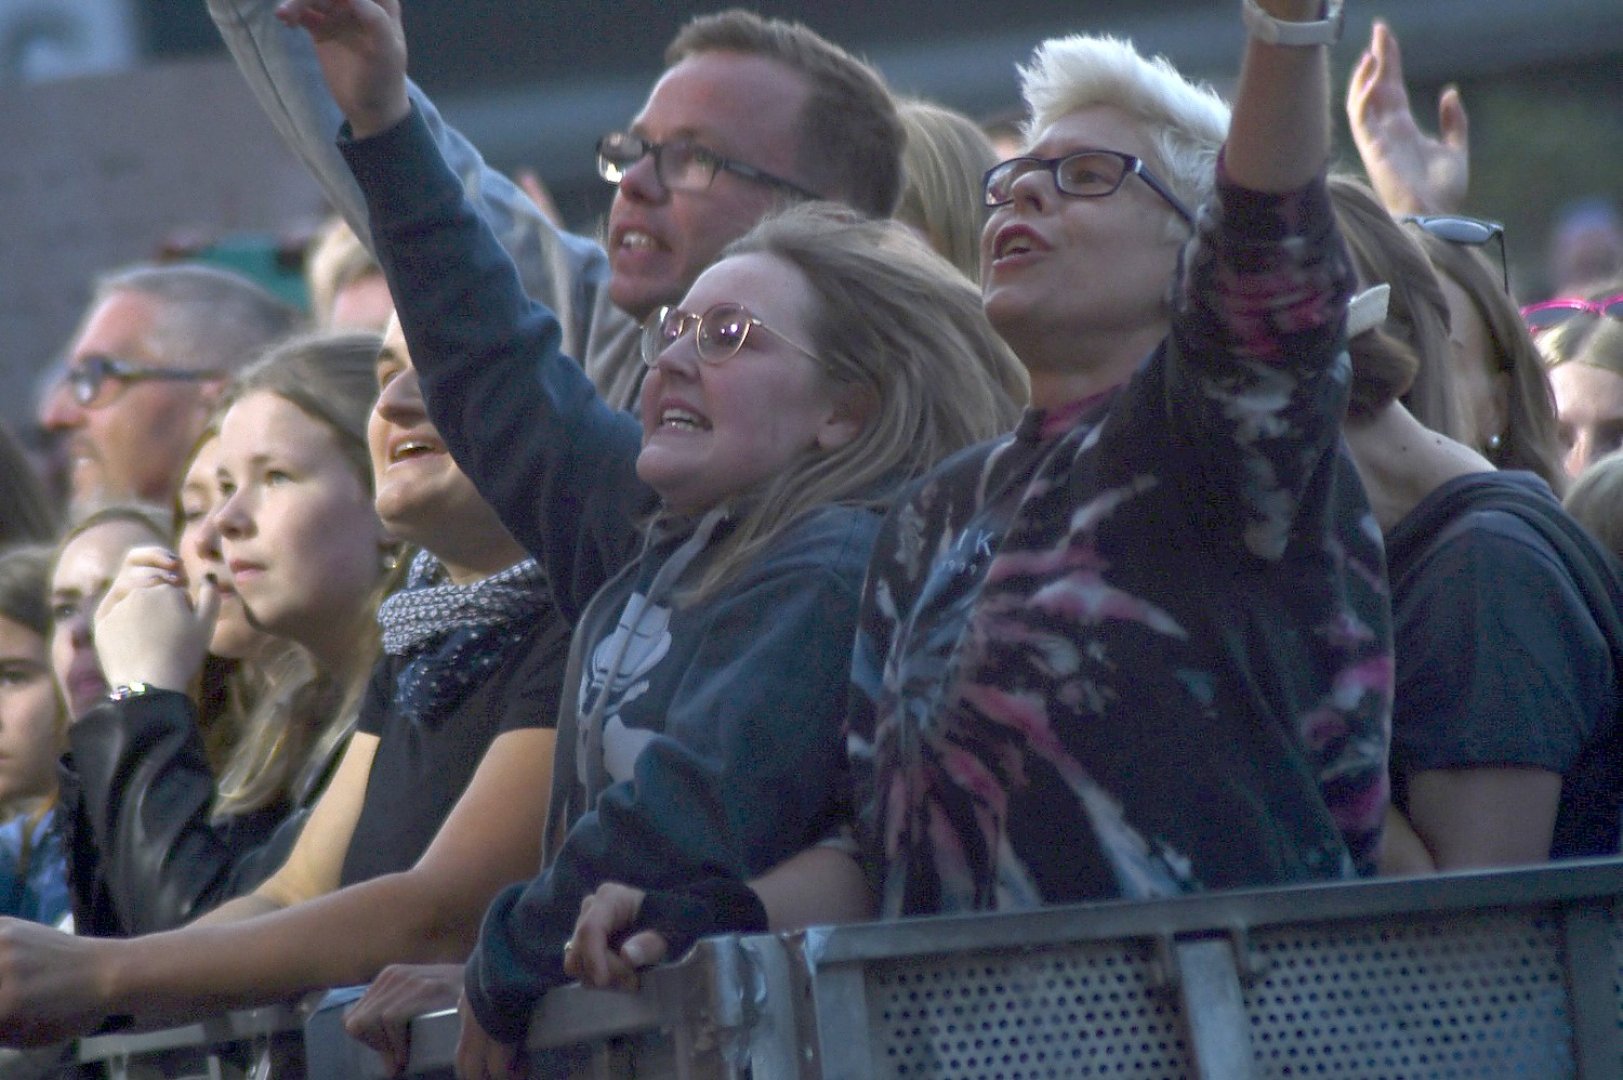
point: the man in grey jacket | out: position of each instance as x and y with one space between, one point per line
749 113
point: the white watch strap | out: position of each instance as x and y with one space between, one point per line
1264 27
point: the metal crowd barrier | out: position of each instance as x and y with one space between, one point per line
1484 975
251 1044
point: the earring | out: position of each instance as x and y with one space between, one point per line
1495 441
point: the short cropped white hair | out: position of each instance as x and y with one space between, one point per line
1185 122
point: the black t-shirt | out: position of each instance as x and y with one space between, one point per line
1501 660
422 767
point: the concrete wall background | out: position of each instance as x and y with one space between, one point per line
97 171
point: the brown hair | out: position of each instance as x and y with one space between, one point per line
1409 354
1531 440
898 326
849 135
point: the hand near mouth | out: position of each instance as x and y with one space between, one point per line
150 628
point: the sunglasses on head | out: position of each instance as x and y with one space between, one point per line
1469 231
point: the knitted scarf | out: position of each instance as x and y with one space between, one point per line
453 636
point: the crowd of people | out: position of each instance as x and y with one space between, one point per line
873 524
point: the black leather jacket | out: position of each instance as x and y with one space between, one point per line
143 852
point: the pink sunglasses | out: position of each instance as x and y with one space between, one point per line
1548 313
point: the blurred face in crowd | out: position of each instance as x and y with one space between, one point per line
423 497
363 304
712 431
297 528
30 714
199 547
130 443
745 108
85 568
1589 412
1055 267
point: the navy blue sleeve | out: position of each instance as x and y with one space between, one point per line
750 771
520 417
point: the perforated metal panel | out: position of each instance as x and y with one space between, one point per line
1477 995
1081 1010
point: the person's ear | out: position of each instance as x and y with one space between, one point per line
854 408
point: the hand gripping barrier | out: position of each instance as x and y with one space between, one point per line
1480 975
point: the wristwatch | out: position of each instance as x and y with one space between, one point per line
125 691
1265 28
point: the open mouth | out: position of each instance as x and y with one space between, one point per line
412 448
683 420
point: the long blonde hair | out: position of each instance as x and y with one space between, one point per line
304 715
896 324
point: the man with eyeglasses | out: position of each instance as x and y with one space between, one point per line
144 370
749 113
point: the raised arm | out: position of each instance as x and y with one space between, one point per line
1279 137
1413 173
567 273
521 418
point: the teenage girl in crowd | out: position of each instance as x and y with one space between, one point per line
154 839
1581 339
1141 646
33 728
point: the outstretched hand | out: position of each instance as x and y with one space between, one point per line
361 45
1412 172
149 627
47 984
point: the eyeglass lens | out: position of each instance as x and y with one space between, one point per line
680 166
721 332
1089 175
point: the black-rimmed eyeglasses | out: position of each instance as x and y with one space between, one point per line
718 333
97 380
680 165
1469 231
1085 174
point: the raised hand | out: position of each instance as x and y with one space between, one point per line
1412 172
149 627
361 45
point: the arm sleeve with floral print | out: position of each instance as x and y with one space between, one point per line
1256 379
1255 390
